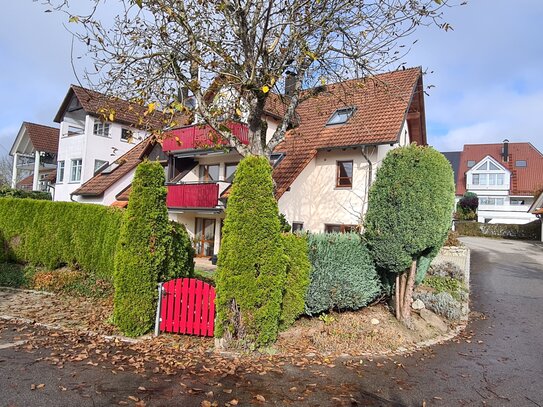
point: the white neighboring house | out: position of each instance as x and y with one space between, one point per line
34 153
504 176
322 170
537 210
89 144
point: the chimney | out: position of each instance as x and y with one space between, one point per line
505 150
290 82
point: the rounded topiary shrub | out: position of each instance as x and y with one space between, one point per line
142 249
251 262
343 276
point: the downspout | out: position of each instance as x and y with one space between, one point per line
370 174
370 167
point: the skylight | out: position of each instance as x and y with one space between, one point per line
341 116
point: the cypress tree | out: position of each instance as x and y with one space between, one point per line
251 263
142 251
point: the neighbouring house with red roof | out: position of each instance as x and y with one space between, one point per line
537 209
505 177
34 153
95 130
322 169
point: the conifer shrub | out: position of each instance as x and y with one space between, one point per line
180 255
342 276
409 214
142 251
297 278
54 234
251 262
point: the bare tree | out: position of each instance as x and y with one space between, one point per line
6 169
158 52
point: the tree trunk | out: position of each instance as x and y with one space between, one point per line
404 290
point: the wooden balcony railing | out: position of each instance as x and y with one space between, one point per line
201 137
204 195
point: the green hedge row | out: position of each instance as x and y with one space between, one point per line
343 276
528 231
6 192
53 234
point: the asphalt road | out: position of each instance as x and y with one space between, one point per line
497 361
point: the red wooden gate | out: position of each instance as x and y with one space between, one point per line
187 306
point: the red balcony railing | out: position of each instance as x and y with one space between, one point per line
193 195
201 137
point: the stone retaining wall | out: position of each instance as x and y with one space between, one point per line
458 255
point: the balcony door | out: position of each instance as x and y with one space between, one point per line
204 238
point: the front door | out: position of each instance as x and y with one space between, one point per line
204 238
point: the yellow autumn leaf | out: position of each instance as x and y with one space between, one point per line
151 108
238 111
265 88
73 19
112 116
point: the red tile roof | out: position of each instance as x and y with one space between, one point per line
381 102
43 138
98 184
27 182
524 180
133 114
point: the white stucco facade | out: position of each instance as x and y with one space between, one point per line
491 181
315 200
80 146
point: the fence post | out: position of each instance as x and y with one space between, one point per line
158 310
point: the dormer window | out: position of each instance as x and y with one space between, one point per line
341 116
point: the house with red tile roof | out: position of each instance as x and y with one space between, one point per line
505 177
322 169
34 153
537 209
95 131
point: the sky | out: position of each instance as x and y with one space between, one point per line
484 77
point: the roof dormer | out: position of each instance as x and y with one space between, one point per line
488 174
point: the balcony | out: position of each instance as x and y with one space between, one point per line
200 137
198 195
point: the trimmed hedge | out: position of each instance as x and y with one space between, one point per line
343 276
297 281
528 231
142 251
53 234
252 264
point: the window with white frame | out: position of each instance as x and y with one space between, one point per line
488 174
517 201
101 129
60 172
491 201
127 135
75 170
487 179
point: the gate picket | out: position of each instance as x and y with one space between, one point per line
187 307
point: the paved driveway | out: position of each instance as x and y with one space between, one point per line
498 361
